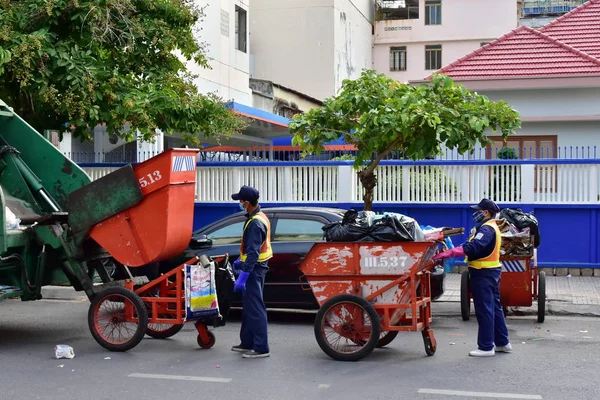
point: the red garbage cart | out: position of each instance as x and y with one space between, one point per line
156 229
368 292
521 282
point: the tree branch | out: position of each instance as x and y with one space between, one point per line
382 155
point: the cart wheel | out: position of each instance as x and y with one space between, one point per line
429 342
210 343
108 322
386 338
465 301
163 331
347 328
541 297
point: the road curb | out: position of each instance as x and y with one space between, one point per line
62 293
558 308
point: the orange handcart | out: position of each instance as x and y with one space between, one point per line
368 292
521 282
158 228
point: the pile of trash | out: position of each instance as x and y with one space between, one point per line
518 229
367 226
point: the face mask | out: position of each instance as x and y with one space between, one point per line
478 216
242 207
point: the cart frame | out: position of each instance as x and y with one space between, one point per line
520 284
407 290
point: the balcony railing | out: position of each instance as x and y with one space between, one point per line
549 7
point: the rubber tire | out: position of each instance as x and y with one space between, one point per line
465 301
429 349
211 341
541 297
165 334
139 307
387 339
375 327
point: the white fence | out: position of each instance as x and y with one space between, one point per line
561 183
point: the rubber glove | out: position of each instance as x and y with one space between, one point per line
455 252
240 282
236 265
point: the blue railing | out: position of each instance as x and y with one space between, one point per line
265 155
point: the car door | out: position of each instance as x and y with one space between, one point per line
293 236
226 237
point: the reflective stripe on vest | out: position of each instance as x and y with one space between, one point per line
265 249
493 260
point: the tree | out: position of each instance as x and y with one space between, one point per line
88 62
379 115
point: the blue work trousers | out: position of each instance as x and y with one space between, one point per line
485 288
253 333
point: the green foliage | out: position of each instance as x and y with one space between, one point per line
107 61
507 153
378 114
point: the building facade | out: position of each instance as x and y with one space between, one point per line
313 45
416 37
225 32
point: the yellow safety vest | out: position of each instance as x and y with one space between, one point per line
266 252
493 260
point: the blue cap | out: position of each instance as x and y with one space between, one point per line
488 205
246 193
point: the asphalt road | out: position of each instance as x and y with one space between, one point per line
555 360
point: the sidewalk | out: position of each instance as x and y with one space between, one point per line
578 295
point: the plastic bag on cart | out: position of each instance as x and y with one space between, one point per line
224 280
448 263
410 224
338 232
388 229
353 227
523 220
200 292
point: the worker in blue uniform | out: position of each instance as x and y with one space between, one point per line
483 257
251 268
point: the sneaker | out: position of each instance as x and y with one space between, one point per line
482 353
240 349
504 349
254 354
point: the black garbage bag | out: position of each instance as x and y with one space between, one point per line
224 280
521 221
390 229
339 232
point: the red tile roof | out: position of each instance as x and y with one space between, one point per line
524 52
579 28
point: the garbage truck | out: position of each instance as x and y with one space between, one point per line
60 228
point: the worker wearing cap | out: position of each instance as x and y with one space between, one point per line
483 256
251 269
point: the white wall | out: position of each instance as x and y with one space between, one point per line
465 24
230 67
353 39
310 45
550 102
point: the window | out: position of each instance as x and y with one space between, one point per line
241 31
228 234
523 147
398 9
289 229
398 58
433 12
483 44
545 179
433 56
